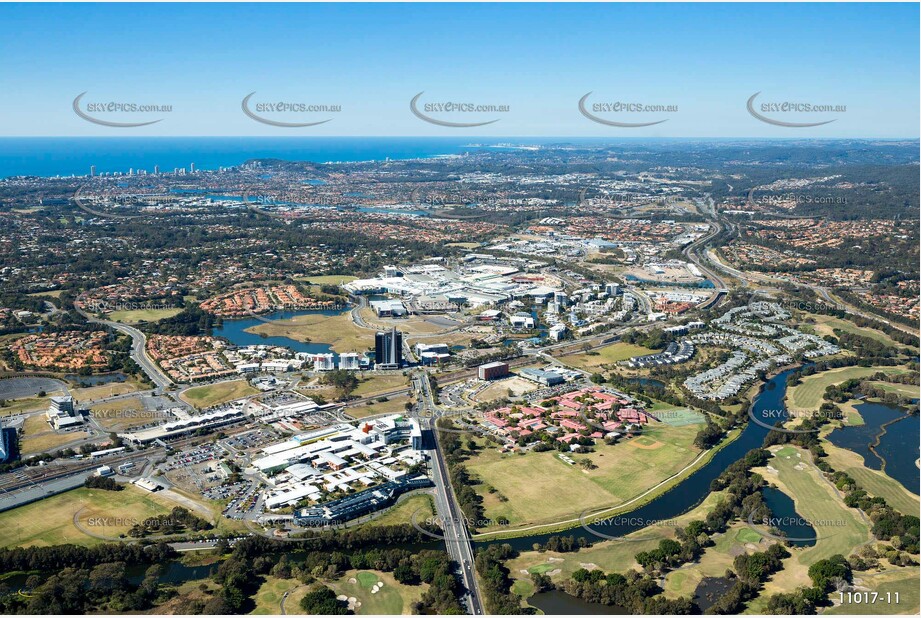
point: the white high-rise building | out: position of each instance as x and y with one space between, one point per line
349 361
324 362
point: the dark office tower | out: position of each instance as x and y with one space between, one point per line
388 349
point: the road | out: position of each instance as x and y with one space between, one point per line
138 350
457 537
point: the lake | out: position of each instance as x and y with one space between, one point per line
898 438
235 332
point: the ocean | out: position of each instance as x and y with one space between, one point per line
67 156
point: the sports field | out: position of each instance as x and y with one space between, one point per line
392 598
103 513
808 394
623 472
609 556
839 529
875 482
826 325
268 597
213 394
605 356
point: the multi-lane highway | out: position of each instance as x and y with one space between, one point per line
457 537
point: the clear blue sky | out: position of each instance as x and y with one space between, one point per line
538 59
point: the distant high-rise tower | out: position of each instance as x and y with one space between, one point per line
388 349
92 170
156 169
192 168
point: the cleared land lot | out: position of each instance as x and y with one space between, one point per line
623 472
391 406
39 437
145 315
393 598
213 394
501 388
808 394
123 414
102 391
336 330
328 279
105 513
605 356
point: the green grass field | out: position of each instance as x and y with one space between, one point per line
392 599
906 390
903 581
605 356
414 508
146 315
104 513
213 394
808 394
624 471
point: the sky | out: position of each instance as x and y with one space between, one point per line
532 62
